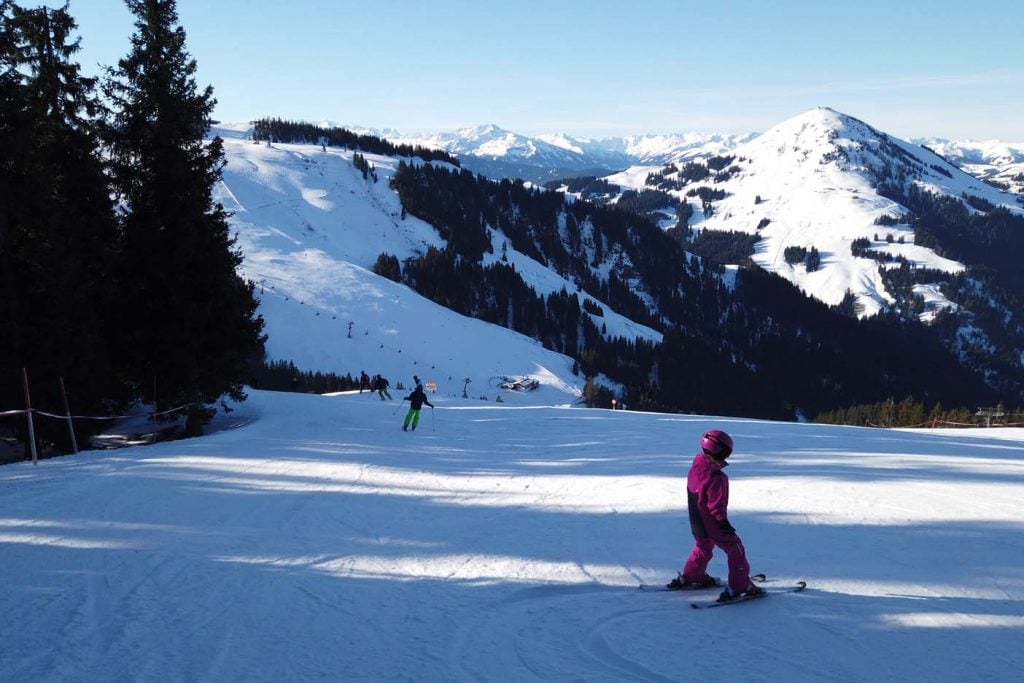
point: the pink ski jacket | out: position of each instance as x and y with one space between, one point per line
707 489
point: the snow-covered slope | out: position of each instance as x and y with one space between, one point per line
812 181
311 227
317 541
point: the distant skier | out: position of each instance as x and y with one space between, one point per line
707 492
382 387
364 381
416 400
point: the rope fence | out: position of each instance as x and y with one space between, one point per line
30 413
936 423
108 417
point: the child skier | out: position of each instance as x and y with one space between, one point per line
416 400
707 492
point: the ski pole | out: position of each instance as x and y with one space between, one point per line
432 418
397 407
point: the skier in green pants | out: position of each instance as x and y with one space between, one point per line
416 400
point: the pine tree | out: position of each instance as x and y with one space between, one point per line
191 319
57 239
813 261
14 137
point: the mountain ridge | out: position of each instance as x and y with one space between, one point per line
482 242
997 162
497 152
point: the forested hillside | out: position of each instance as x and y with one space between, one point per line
759 347
280 130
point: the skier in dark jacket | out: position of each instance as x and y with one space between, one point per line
416 400
707 492
382 387
364 381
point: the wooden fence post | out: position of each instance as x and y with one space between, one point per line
28 411
67 412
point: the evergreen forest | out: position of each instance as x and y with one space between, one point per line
118 275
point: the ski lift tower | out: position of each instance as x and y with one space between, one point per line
989 413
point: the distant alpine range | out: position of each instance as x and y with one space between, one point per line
496 152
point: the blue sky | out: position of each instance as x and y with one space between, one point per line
914 69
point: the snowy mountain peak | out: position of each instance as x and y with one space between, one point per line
816 181
800 147
816 132
484 131
565 142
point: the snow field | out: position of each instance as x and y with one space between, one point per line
315 539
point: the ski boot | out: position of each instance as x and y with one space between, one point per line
753 592
682 584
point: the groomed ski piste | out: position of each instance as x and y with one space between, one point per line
308 538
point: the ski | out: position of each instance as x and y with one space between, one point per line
663 588
795 588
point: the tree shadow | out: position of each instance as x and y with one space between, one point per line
354 555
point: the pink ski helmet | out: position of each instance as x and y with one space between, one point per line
716 444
